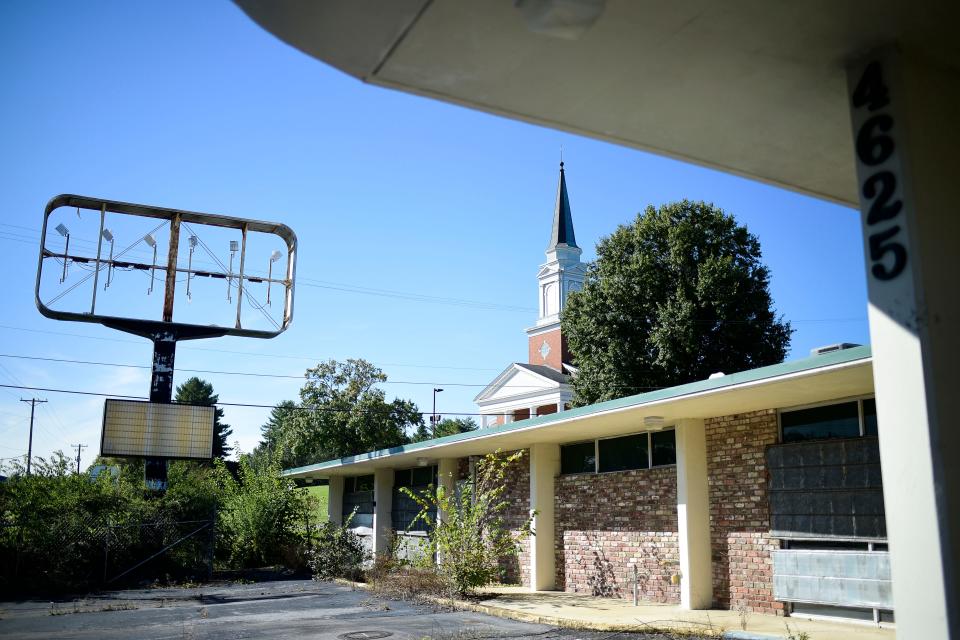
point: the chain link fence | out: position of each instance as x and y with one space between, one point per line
71 552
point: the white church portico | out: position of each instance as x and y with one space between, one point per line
541 386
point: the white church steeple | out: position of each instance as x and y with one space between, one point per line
558 276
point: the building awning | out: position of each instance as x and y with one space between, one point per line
752 88
832 376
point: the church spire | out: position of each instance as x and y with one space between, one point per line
562 234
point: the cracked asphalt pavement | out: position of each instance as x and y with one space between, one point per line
282 609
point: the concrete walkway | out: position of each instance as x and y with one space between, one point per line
609 614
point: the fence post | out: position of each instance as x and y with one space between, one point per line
213 542
106 552
306 519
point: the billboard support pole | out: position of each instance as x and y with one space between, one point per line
164 354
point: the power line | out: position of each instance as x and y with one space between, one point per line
260 375
239 353
420 297
228 404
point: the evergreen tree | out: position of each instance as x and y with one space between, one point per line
200 392
447 427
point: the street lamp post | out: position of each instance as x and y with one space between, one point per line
433 418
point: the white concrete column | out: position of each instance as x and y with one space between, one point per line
906 140
533 412
447 480
507 417
559 406
693 516
544 469
335 500
382 510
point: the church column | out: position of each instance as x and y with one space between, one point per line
904 113
544 469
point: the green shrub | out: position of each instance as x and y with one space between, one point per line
262 515
336 552
470 537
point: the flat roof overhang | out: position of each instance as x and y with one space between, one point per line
841 374
752 88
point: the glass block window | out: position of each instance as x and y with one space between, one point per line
405 509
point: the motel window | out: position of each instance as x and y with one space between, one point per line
663 446
870 417
843 420
622 454
578 458
415 477
635 451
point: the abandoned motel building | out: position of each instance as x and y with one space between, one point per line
758 491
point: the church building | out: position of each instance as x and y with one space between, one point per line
541 385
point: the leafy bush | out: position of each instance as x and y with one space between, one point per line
262 515
470 537
336 552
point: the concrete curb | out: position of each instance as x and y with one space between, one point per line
678 627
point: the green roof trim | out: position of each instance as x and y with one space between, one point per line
811 363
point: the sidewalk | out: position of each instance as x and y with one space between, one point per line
609 614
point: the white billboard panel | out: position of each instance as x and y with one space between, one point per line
135 428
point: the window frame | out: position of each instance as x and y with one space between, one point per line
859 399
596 451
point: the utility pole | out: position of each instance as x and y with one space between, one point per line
33 404
79 447
434 417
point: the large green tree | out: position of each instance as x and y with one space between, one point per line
674 297
197 391
342 412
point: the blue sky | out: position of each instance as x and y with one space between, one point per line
190 105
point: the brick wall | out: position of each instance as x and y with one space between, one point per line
606 523
517 570
739 511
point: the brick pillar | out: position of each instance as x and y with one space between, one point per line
544 468
693 517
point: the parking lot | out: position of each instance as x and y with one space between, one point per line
278 610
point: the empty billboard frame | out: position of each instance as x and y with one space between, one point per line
137 428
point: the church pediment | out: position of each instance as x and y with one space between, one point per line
520 380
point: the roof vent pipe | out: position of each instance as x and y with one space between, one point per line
840 346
